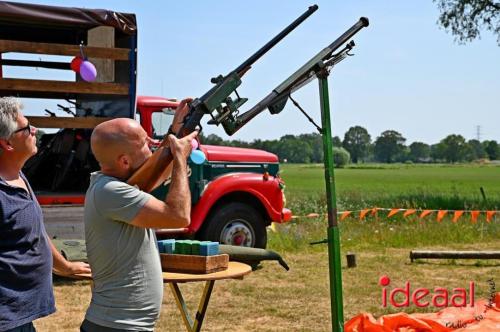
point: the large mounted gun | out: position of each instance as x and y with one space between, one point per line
277 99
216 101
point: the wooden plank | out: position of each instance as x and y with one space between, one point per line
63 49
46 86
65 122
103 37
489 254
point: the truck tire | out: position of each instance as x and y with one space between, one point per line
236 224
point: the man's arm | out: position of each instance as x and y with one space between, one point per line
64 267
175 211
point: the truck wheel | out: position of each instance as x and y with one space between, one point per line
236 224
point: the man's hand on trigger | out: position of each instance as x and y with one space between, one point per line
180 113
181 147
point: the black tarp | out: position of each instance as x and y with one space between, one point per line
65 17
34 23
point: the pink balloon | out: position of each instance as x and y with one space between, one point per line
88 71
194 144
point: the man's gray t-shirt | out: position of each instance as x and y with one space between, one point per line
126 268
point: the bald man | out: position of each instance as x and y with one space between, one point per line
121 245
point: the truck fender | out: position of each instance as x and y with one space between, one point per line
254 184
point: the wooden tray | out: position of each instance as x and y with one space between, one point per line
193 263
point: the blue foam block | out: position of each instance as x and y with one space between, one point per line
161 247
166 246
169 246
208 248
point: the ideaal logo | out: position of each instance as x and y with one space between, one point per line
460 324
423 297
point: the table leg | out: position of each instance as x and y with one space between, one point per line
193 326
179 300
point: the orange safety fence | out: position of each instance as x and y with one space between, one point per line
484 316
474 215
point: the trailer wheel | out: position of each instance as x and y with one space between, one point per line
236 224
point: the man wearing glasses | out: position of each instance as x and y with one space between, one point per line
27 255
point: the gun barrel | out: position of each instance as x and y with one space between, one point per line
251 60
297 79
323 55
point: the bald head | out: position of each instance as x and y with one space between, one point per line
115 138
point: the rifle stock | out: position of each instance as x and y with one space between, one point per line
156 170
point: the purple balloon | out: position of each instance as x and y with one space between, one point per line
88 71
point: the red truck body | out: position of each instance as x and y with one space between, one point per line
245 179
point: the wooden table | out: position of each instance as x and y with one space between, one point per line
235 270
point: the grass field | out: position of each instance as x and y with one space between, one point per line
271 299
398 185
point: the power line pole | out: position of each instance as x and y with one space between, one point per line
478 133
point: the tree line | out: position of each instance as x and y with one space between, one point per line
357 146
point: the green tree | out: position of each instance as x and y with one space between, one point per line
454 148
404 156
437 152
389 146
492 149
239 143
357 142
419 152
267 145
315 142
336 141
476 150
212 139
271 146
466 18
294 150
341 157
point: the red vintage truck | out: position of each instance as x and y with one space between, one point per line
236 193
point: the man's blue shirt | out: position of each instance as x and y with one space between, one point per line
25 259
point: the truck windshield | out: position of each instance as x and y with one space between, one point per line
161 122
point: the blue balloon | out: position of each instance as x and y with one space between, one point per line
198 157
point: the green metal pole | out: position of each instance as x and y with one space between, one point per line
333 231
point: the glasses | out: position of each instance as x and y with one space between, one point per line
25 130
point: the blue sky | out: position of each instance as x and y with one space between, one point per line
408 74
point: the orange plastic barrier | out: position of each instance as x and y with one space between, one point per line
480 318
